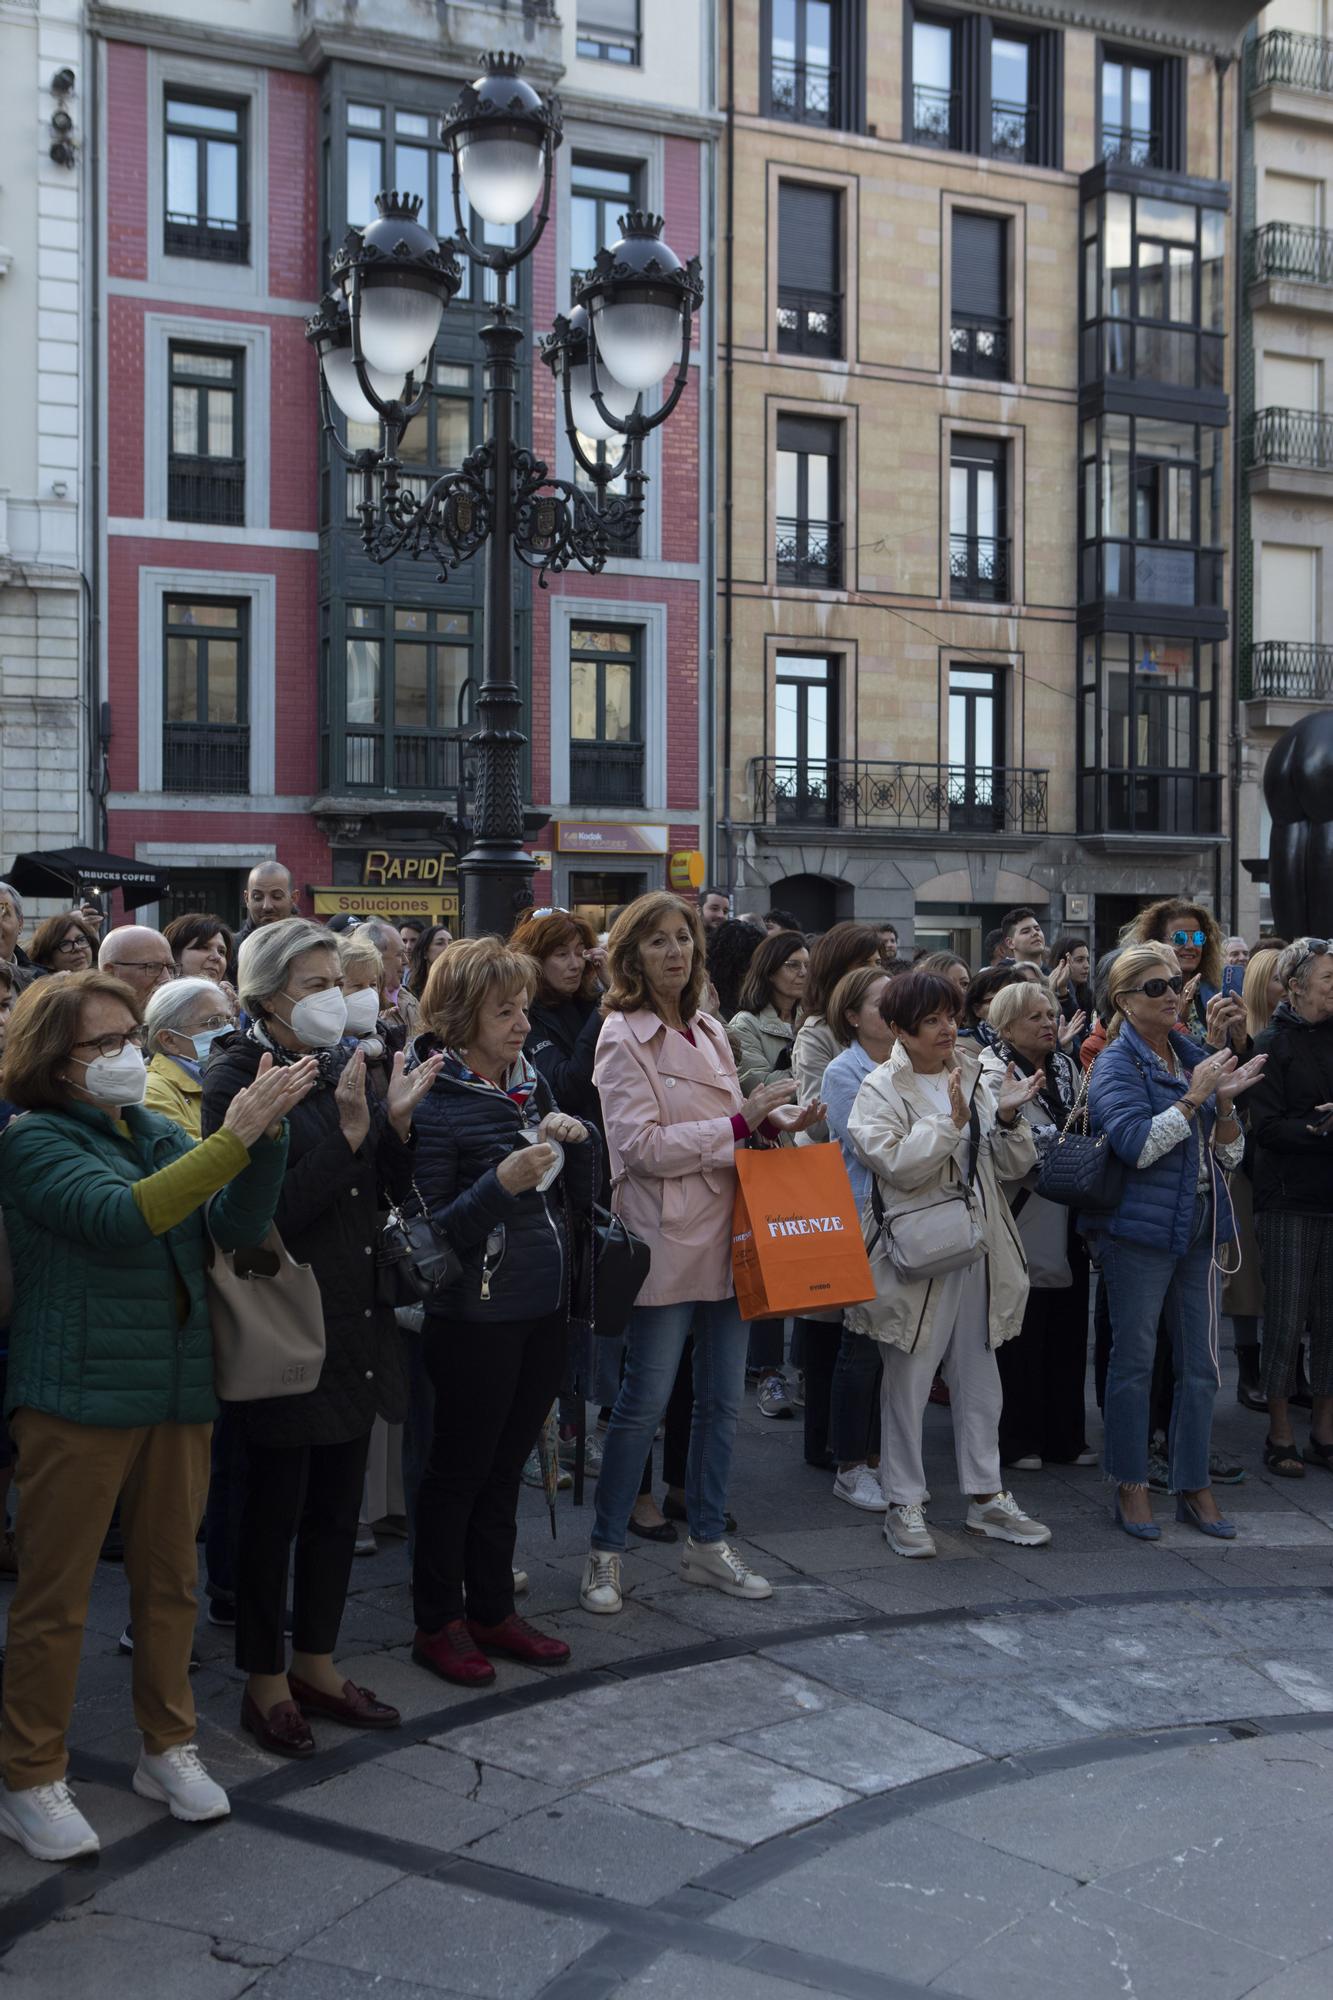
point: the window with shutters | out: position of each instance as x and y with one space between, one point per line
609 31
808 530
974 85
809 269
979 313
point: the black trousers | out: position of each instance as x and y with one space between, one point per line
819 1350
493 1386
312 1492
1042 1372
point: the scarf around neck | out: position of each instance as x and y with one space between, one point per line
520 1086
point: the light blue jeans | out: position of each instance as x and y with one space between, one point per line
657 1336
1142 1285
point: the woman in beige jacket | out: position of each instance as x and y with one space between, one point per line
925 1121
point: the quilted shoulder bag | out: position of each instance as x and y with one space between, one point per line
612 1264
415 1260
928 1235
1079 1169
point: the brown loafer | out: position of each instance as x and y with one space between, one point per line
284 1730
356 1706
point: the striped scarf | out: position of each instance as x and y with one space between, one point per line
519 1086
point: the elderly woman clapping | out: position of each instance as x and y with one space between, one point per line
181 1023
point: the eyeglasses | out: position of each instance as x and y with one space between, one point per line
111 1045
1153 989
71 945
167 971
1199 938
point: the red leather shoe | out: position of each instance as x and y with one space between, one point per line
284 1730
517 1640
451 1654
356 1706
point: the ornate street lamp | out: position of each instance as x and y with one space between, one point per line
375 335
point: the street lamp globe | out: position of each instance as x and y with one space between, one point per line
616 398
640 297
331 332
402 283
500 132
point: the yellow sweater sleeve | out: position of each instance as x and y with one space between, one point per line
168 1196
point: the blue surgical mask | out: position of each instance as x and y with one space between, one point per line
203 1043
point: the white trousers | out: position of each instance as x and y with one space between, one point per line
957 1348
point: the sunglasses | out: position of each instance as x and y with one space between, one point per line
1153 989
1314 948
1199 938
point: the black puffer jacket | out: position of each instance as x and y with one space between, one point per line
561 1045
515 1248
1293 1166
328 1217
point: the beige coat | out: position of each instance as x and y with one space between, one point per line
667 1110
910 1146
812 1052
761 1040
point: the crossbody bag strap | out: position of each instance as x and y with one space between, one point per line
974 1154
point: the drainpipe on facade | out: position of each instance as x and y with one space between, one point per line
91 568
728 408
1238 520
709 380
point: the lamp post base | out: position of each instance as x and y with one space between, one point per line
495 883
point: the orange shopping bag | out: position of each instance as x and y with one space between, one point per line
795 1233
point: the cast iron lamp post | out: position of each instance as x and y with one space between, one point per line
375 336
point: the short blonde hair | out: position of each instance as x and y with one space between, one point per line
1258 972
1130 966
628 990
1016 1000
355 948
465 977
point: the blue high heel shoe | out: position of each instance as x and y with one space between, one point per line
1142 1531
1222 1531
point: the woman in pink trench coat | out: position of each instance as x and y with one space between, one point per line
674 1115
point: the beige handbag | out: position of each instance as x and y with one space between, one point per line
268 1322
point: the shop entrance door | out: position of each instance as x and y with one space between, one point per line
598 896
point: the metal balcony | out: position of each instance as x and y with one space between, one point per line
1288 670
206 489
606 774
206 757
979 567
1296 62
425 761
213 239
1010 131
809 322
1131 146
1291 437
979 346
809 553
934 116
853 794
1292 250
805 92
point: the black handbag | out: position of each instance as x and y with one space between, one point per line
415 1260
613 1265
1079 1170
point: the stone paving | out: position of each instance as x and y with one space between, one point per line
1099 1769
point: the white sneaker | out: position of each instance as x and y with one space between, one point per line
1004 1521
600 1589
718 1565
860 1488
46 1823
520 1582
773 1398
906 1532
1087 1458
1029 1464
177 1779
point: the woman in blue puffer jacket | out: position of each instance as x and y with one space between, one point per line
1166 1106
494 1172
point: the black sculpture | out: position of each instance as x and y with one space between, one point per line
1298 787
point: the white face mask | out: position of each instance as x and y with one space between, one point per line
121 1079
363 1011
319 1020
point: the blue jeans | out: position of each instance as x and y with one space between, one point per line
657 1335
1143 1285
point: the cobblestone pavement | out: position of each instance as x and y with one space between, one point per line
1099 1769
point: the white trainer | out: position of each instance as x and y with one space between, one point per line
1004 1521
718 1565
600 1589
178 1779
906 1532
860 1488
46 1823
1029 1464
520 1582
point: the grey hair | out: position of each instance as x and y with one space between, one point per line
169 1005
1293 965
1015 1001
7 889
266 958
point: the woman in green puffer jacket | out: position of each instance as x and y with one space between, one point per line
110 1388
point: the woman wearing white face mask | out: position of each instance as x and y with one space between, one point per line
362 966
110 1381
306 1455
182 1020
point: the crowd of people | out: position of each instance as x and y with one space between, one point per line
184 1104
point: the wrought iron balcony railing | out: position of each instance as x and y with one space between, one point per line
910 798
979 346
1291 437
809 322
1291 250
809 552
213 239
934 116
979 567
606 774
206 757
1010 130
206 489
805 92
1288 670
1301 62
428 761
1131 146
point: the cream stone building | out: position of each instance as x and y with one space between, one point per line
976 276
1284 598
